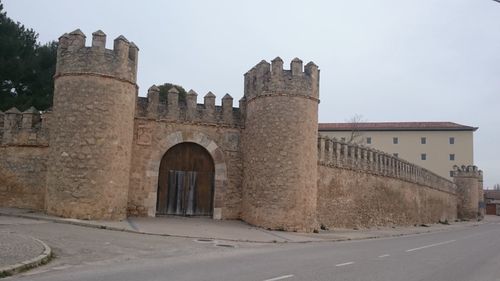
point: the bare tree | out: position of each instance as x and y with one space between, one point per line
356 136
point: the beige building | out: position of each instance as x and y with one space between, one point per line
436 146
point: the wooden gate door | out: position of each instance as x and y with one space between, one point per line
186 181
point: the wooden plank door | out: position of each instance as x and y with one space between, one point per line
186 181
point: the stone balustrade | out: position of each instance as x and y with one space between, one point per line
335 153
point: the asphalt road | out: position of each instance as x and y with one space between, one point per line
465 254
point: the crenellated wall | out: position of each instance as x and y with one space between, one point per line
189 111
363 187
28 128
23 158
160 126
271 169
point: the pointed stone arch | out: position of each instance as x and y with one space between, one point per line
213 149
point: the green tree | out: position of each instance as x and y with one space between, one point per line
164 88
26 67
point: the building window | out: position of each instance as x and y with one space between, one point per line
342 139
368 140
395 154
451 173
452 140
423 140
423 156
452 157
395 140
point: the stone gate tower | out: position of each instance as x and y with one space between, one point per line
92 127
280 145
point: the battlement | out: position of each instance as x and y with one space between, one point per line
271 79
335 153
189 110
74 58
28 128
469 171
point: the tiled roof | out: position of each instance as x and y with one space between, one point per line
492 194
395 126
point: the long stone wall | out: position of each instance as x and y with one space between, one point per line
362 187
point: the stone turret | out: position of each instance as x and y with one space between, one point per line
92 129
468 180
280 145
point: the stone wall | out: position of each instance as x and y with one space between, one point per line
349 198
159 127
23 171
361 187
23 158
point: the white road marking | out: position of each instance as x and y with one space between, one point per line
280 277
431 245
384 256
343 264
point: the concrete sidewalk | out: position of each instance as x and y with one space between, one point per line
21 252
231 230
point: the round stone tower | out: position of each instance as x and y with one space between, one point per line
468 180
92 129
280 145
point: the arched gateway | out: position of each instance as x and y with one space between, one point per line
173 139
186 181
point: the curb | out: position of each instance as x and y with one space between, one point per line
41 259
112 228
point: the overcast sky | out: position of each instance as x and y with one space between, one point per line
387 60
